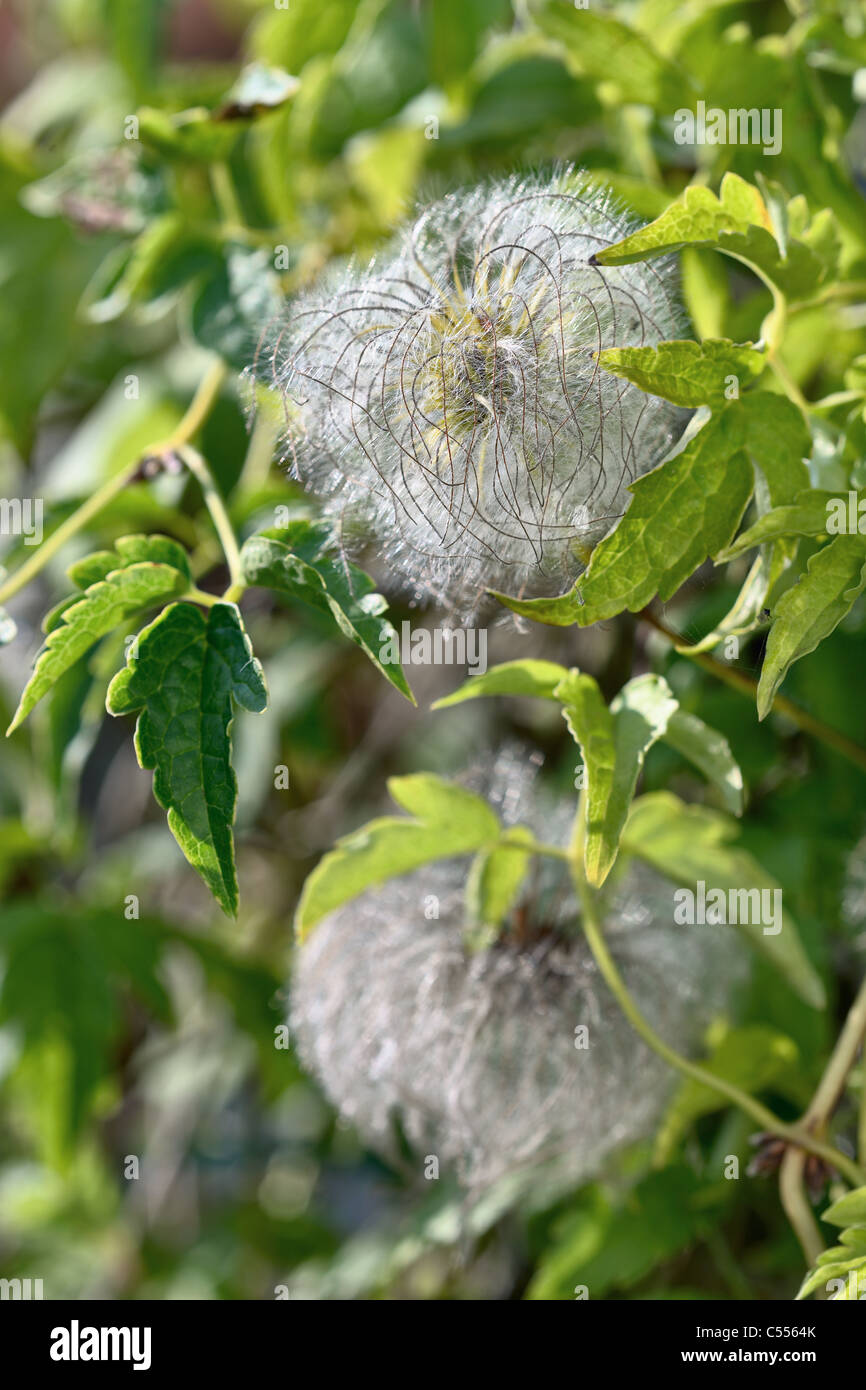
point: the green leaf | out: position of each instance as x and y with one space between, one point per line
710 752
528 677
143 263
806 516
304 30
602 47
233 303
681 512
66 972
91 569
739 223
135 582
157 550
849 1210
381 65
188 135
447 820
821 1276
692 844
685 372
806 614
495 878
798 274
615 1248
455 30
835 1255
168 256
613 743
745 615
134 31
550 95
751 1057
697 218
305 567
188 673
778 441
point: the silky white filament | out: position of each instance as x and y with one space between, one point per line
475 1056
446 399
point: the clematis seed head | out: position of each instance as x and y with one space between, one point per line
446 400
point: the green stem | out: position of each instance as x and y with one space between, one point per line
832 1083
197 412
820 1108
220 518
225 195
796 1205
793 1134
773 331
110 489
178 443
790 386
747 686
847 289
196 595
199 409
536 847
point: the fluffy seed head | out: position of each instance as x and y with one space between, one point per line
474 1055
447 400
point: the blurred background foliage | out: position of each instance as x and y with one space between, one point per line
267 140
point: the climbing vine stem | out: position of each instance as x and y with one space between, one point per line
176 445
738 680
795 1135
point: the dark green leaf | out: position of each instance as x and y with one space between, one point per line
811 610
710 752
234 302
185 674
63 972
306 567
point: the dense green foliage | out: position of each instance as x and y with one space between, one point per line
189 614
